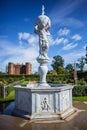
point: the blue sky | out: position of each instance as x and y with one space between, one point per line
19 44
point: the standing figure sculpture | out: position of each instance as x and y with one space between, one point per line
41 28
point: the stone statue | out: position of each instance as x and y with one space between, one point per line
41 28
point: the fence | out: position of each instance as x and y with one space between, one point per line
5 90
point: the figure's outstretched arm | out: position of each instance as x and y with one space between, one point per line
36 30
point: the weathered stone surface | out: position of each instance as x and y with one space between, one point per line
39 103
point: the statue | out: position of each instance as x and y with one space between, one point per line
41 28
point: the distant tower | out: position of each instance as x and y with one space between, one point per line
28 68
86 55
75 72
11 68
17 68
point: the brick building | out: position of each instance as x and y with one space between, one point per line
19 68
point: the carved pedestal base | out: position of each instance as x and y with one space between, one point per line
42 70
44 103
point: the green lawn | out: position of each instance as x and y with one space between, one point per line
10 97
80 98
24 82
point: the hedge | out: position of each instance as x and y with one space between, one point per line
82 75
80 90
61 78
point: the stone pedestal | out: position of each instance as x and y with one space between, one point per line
35 102
42 70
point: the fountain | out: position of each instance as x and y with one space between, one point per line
43 101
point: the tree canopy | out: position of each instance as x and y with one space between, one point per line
69 68
81 63
57 62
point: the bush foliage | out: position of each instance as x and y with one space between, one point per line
80 90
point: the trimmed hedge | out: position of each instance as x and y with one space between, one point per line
61 78
80 90
82 75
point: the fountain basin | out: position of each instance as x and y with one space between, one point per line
34 102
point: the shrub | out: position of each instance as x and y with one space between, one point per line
82 75
80 90
70 81
81 82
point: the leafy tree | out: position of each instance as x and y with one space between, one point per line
57 62
69 68
53 73
81 63
61 70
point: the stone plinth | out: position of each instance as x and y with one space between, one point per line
34 102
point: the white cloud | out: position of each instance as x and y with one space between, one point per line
58 40
72 57
63 32
27 37
32 39
76 37
65 41
70 46
51 40
24 35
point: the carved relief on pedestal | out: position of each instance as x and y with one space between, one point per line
44 105
66 101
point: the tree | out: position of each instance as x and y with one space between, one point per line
62 70
81 63
52 72
69 68
57 62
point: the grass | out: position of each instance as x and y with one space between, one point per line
10 97
24 82
80 98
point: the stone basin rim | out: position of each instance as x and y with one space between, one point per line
53 87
